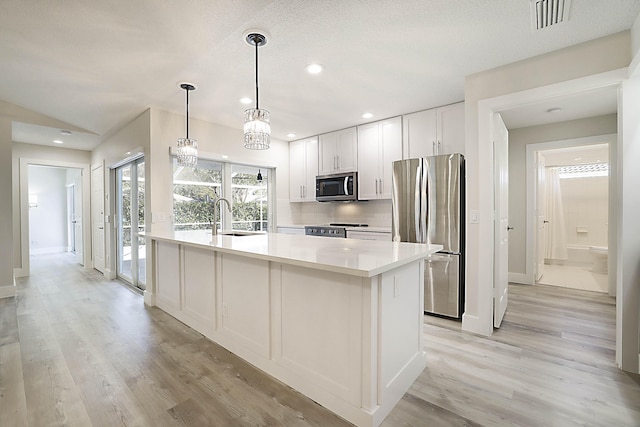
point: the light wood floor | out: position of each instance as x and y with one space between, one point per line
76 349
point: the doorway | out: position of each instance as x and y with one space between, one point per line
130 220
55 210
572 207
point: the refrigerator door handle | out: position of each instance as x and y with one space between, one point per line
438 257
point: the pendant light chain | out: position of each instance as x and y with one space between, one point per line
257 130
187 90
255 42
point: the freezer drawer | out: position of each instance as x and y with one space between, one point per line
442 285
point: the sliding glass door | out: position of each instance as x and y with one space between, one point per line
130 248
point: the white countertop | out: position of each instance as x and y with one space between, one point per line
364 258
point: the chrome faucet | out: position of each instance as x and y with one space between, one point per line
216 204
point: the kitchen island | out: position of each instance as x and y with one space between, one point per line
339 320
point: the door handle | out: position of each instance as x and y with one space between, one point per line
100 228
545 222
509 228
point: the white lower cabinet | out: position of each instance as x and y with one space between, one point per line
368 235
291 230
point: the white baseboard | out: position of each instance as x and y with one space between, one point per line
149 298
20 272
109 274
8 291
474 325
519 278
49 250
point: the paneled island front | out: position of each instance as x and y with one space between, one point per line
339 320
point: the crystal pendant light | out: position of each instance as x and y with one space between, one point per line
257 130
187 147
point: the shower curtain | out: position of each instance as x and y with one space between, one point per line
555 233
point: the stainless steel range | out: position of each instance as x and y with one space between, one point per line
336 229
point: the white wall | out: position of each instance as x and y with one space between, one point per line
518 141
585 202
586 59
48 220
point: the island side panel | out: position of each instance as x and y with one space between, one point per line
244 317
402 355
199 303
167 277
320 333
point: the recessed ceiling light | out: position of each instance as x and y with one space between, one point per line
128 153
314 68
224 156
291 135
65 132
367 115
57 141
554 110
246 100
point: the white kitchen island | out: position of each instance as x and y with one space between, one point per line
339 320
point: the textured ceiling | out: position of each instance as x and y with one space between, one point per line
98 64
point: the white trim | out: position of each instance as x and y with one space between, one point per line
8 291
48 250
519 278
531 149
485 182
24 208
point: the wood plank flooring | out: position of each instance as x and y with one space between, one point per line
76 349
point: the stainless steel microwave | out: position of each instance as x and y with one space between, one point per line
337 187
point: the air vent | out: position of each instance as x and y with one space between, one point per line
545 13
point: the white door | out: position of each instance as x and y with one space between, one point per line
77 212
97 217
501 219
540 212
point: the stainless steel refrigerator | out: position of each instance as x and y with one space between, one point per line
428 207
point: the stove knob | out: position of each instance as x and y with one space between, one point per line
323 231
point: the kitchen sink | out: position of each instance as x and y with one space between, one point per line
239 233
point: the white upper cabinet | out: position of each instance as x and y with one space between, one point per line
432 132
303 168
337 152
379 145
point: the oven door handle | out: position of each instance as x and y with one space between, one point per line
346 186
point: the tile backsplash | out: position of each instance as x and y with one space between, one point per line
376 213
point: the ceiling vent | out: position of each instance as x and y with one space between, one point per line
545 13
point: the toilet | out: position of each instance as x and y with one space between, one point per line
600 256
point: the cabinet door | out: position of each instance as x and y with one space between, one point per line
311 169
296 170
451 128
420 134
327 156
368 235
368 155
391 148
347 150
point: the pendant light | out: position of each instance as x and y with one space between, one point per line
187 147
257 130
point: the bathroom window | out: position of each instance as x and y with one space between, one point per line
583 171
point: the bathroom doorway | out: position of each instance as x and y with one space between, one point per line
572 217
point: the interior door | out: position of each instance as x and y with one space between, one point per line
501 219
97 217
540 210
77 217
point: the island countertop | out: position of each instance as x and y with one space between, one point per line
364 258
